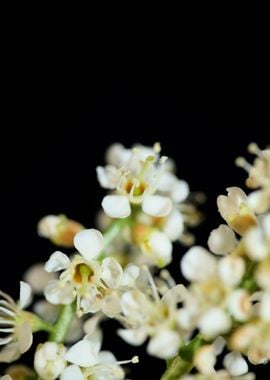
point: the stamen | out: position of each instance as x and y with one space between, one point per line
133 360
157 147
167 276
7 311
152 284
7 330
242 163
163 159
254 149
6 340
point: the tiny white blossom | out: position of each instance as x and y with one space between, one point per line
49 360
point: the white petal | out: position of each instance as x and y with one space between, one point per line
95 341
111 272
25 337
89 243
165 344
25 294
82 354
56 294
130 274
205 359
214 322
265 307
107 357
166 181
174 225
156 205
57 261
116 206
91 325
38 278
198 264
134 337
239 304
231 269
6 377
111 305
255 244
161 248
179 191
235 364
259 201
222 240
175 295
72 372
108 176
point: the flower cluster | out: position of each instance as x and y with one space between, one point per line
118 272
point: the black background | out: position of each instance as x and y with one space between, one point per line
52 140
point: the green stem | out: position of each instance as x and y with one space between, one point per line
62 324
183 362
113 230
176 369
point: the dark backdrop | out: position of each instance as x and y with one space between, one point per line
52 140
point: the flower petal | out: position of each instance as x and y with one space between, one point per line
156 205
56 294
179 191
198 264
57 261
222 240
72 372
174 225
134 337
89 243
25 295
235 364
116 206
25 337
111 272
165 344
82 354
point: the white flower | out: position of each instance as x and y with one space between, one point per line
95 285
6 377
89 362
49 360
198 264
14 324
222 240
234 209
150 316
137 175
